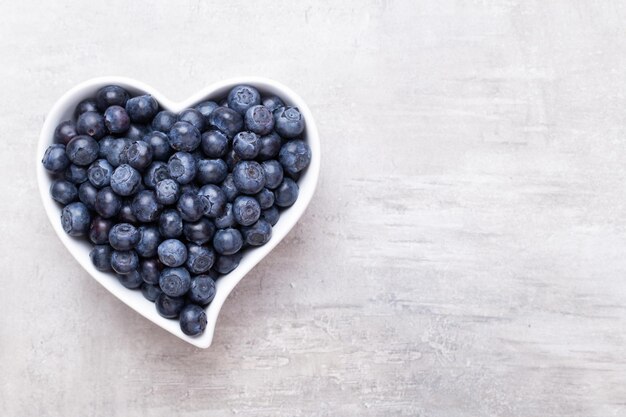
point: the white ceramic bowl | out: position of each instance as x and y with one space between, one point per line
79 248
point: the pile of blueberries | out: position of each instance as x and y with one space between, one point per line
171 200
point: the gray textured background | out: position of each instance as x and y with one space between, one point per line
465 254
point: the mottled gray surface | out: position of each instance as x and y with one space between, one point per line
465 254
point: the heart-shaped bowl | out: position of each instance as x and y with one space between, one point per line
63 109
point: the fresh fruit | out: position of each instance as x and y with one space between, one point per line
82 150
294 156
184 136
92 124
249 177
123 236
171 201
289 122
175 282
63 192
242 97
246 210
192 320
202 290
116 119
142 109
259 119
111 95
246 145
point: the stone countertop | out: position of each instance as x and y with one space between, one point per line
464 254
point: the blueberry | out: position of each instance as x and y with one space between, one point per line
227 241
259 120
289 123
182 167
150 270
199 232
149 240
170 224
206 108
229 188
227 219
136 131
184 136
189 188
175 282
242 97
99 230
116 153
91 124
63 191
294 156
172 252
287 193
163 121
75 219
193 117
202 290
123 236
246 145
211 171
249 177
84 106
124 261
294 176
101 257
150 291
167 191
258 234
273 102
126 215
160 145
82 150
130 280
116 119
273 171
226 121
169 307
272 215
107 203
99 173
87 193
214 143
193 320
246 210
227 263
214 200
199 259
111 95
265 198
125 180
55 159
232 159
75 174
139 155
104 146
64 132
190 206
142 109
145 206
270 146
156 171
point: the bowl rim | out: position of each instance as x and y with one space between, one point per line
226 283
